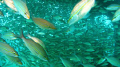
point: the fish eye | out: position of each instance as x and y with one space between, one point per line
14 53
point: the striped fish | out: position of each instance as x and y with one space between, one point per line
9 36
116 16
15 60
7 49
35 48
37 41
80 10
113 60
44 24
113 7
10 4
22 8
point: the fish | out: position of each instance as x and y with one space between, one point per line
9 36
15 60
88 65
75 58
101 61
113 7
66 63
57 17
37 41
90 50
10 4
22 8
114 61
7 49
80 10
35 48
70 30
44 24
41 33
116 16
87 43
89 57
82 59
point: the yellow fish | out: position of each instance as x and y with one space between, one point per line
10 4
22 8
15 60
9 36
35 48
37 41
116 16
44 24
80 10
7 49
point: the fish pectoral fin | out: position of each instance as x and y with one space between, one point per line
73 19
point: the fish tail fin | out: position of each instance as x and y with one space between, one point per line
28 35
16 36
21 34
32 17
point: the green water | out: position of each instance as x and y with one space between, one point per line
96 33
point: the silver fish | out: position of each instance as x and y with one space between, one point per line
113 7
15 60
80 10
116 16
35 48
22 8
7 49
66 63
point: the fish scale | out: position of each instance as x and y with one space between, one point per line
80 10
77 11
7 49
35 48
22 8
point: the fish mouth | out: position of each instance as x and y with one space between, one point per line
27 16
16 55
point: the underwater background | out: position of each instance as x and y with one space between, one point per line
90 40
